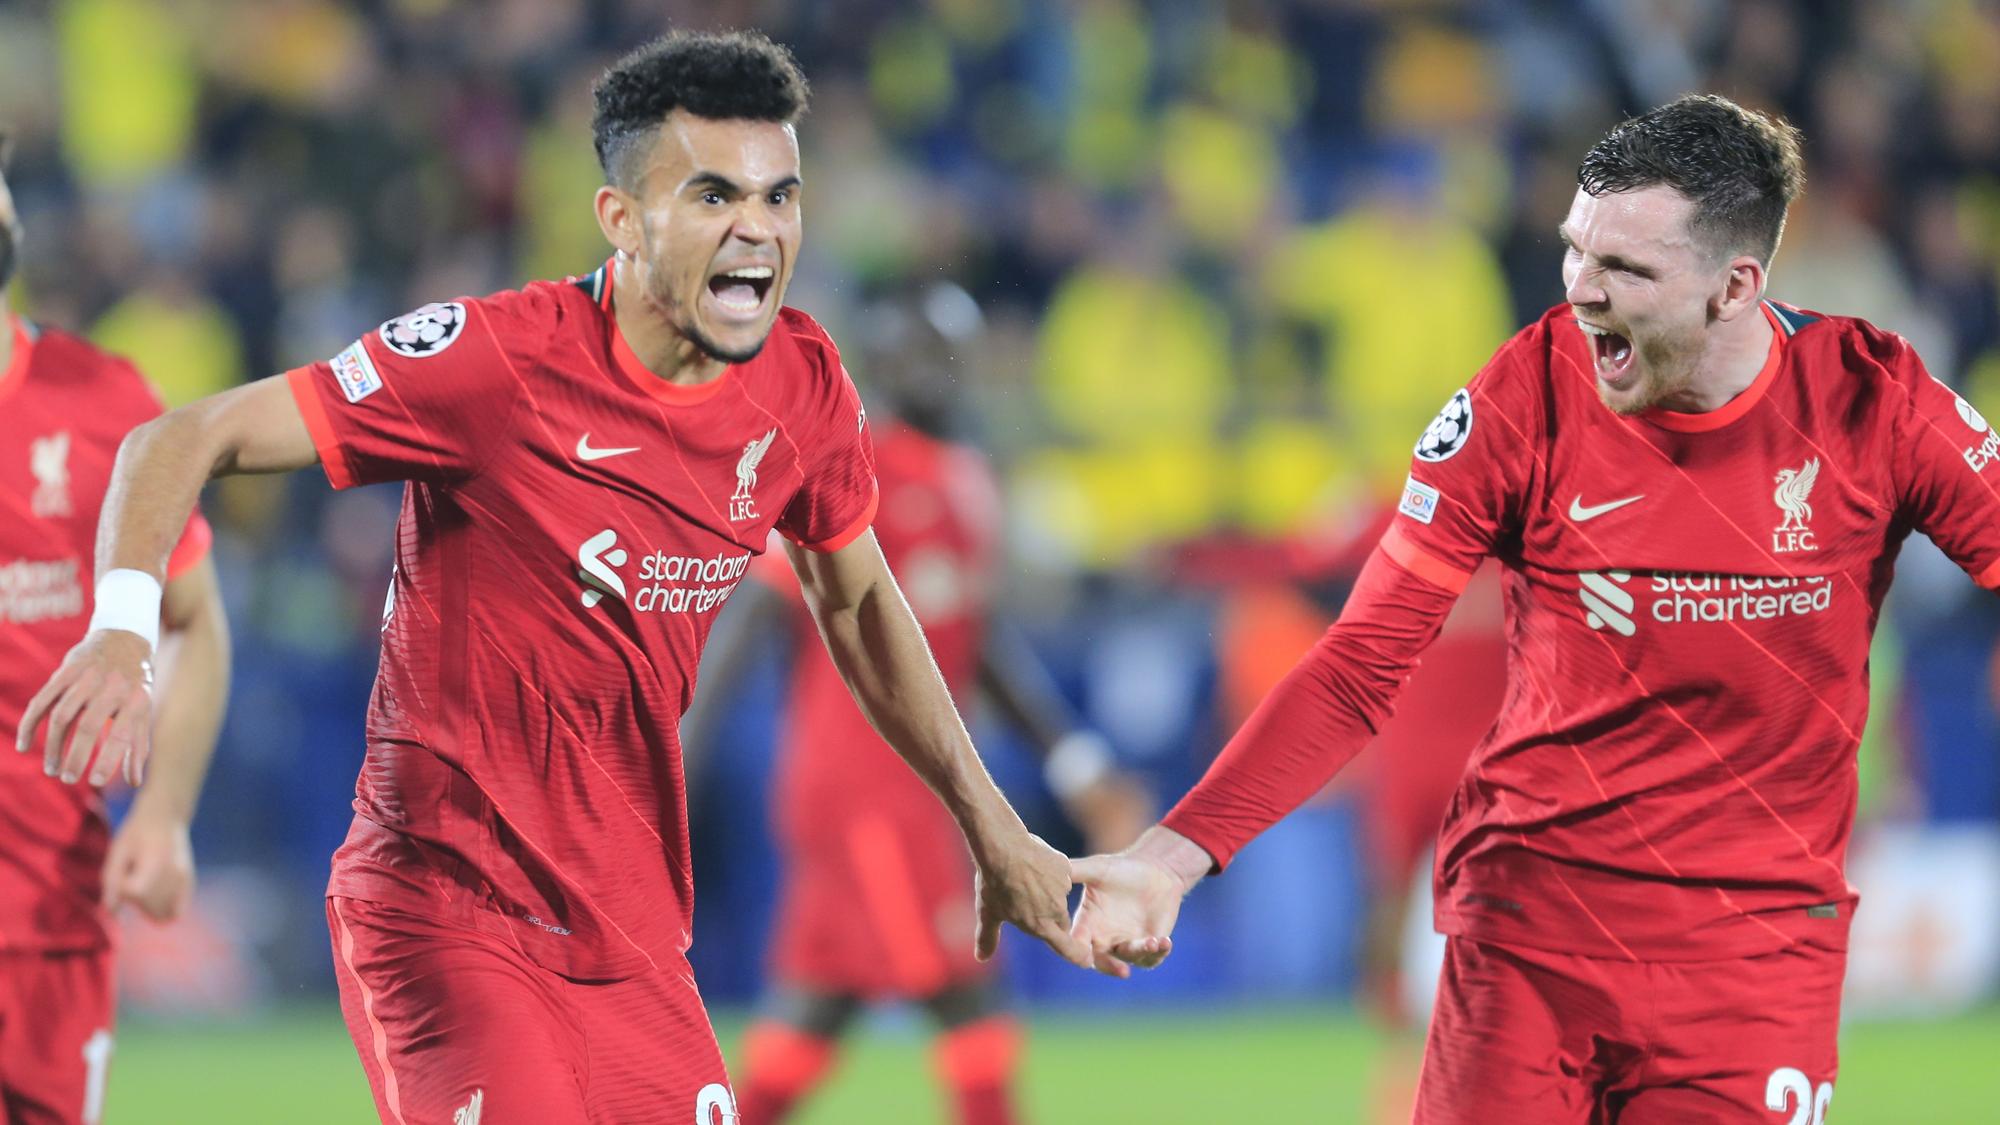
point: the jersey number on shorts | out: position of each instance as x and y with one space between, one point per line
97 1066
715 1105
1789 1088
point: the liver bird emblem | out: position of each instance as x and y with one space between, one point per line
48 459
1794 488
746 465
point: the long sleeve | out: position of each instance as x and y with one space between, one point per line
1320 715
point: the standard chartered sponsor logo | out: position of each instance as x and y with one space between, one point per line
665 583
37 590
1608 603
1611 601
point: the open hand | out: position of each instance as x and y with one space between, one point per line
1132 898
102 691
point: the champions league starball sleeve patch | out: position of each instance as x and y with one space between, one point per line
426 331
1448 432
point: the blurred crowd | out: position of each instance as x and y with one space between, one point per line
1230 258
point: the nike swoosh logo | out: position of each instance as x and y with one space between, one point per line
1579 513
585 453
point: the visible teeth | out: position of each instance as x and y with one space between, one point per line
751 273
1594 330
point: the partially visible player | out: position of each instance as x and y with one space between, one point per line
875 889
64 407
1697 495
591 465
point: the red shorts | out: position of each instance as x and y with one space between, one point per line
55 1036
456 1027
1526 1035
877 905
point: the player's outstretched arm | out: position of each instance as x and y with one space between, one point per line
104 686
1322 713
151 861
1132 898
879 649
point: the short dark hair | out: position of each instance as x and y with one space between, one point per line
728 75
1741 168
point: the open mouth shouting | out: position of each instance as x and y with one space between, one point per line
742 293
1612 352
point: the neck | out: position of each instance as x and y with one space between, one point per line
663 349
1735 355
7 330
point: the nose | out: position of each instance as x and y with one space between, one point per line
753 222
1581 286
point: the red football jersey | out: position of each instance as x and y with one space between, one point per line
1690 600
939 528
64 407
571 525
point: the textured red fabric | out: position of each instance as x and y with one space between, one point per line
64 408
1557 1039
444 1013
876 898
55 1036
1689 605
571 526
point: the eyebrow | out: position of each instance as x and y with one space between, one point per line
1612 261
727 186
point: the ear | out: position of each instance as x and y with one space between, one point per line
618 217
1742 288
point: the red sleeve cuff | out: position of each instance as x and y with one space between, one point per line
1422 563
834 543
1190 824
192 548
332 456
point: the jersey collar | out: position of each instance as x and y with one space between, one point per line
1736 407
638 374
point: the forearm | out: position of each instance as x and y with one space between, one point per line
879 650
1319 716
159 473
193 690
162 465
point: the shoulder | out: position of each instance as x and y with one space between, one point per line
107 383
1873 359
518 321
1519 378
805 336
1522 365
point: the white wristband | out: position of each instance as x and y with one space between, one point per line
129 600
1078 761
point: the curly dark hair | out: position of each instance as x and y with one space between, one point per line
736 74
1740 168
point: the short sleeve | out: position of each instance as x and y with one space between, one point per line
1948 466
426 396
193 547
1468 473
836 501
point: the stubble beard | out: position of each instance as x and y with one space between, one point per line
1667 365
682 317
